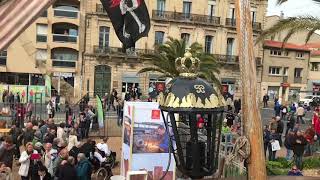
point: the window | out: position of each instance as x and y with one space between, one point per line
208 44
186 37
104 36
161 5
230 42
211 8
186 9
298 72
64 54
42 30
44 14
275 52
3 58
232 12
285 71
159 35
254 14
41 54
300 55
274 70
315 66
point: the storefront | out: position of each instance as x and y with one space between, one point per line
273 92
228 87
62 77
129 82
156 85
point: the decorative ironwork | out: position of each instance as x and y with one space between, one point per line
185 17
231 22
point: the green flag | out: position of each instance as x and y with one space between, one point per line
100 112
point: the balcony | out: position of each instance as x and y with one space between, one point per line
185 17
65 13
100 9
118 51
297 80
63 63
231 22
228 59
285 79
64 38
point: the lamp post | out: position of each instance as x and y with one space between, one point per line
194 142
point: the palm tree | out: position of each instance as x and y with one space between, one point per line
163 60
293 25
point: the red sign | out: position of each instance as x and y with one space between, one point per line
155 114
285 84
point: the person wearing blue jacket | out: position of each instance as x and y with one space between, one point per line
84 168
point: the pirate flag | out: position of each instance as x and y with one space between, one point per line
130 19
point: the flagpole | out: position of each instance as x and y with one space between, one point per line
250 109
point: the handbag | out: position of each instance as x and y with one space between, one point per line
275 145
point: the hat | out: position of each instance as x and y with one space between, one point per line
38 144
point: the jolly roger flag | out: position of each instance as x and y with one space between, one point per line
130 19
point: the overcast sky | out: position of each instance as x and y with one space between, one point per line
294 8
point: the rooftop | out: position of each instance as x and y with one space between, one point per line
278 44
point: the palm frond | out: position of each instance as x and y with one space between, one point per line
293 25
279 2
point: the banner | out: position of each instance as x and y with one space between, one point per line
3 88
130 20
100 112
48 85
21 90
145 141
37 94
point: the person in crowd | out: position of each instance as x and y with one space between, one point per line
299 144
50 109
48 157
284 111
288 143
280 127
277 109
266 140
72 140
37 137
63 155
11 100
67 170
57 102
48 138
309 136
293 108
265 100
84 168
77 130
103 146
61 134
69 114
20 114
230 118
16 136
273 124
17 98
82 125
105 101
88 116
316 123
28 167
28 134
127 96
237 106
43 173
291 122
295 171
300 114
273 137
120 112
5 172
112 98
7 152
88 147
29 109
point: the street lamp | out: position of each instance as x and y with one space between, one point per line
194 143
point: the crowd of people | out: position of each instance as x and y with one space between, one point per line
297 140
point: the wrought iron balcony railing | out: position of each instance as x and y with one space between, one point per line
64 38
231 22
185 17
106 50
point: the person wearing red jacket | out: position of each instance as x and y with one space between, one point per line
309 136
316 123
21 112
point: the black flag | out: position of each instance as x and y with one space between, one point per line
130 19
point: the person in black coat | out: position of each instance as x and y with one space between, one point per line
291 122
299 144
288 143
43 172
67 170
266 138
280 127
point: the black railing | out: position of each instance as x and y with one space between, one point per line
227 58
100 9
63 63
185 17
231 22
3 61
118 51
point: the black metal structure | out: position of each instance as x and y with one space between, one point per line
188 99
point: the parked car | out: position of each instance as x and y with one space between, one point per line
306 100
315 101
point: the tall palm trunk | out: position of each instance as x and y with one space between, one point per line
250 109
